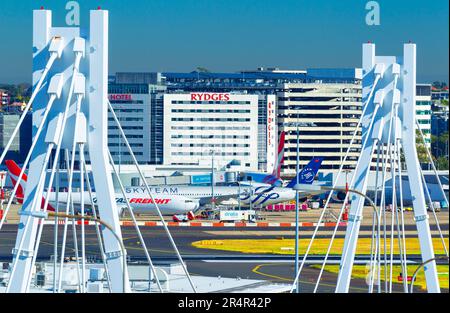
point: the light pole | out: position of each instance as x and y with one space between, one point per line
213 201
239 190
297 124
297 212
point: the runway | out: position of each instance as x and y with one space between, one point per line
276 268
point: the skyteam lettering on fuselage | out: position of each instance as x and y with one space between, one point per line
157 190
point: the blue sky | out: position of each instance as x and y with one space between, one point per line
231 35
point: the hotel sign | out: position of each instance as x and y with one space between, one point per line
120 97
272 136
210 96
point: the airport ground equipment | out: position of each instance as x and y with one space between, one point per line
388 125
238 216
70 122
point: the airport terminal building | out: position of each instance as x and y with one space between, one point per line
197 125
176 119
138 107
168 127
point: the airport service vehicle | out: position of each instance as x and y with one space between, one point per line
237 216
183 217
139 201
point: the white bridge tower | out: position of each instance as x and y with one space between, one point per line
388 127
70 88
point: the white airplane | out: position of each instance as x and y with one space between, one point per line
258 194
139 201
179 199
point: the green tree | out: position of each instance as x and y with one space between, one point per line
442 163
202 69
421 148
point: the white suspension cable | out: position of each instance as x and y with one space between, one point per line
402 209
27 222
169 235
69 203
393 209
47 68
83 237
56 228
41 225
352 182
74 227
97 230
28 157
78 56
395 160
138 231
336 227
373 255
335 183
432 162
430 203
383 218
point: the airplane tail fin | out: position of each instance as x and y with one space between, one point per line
280 157
14 173
191 216
307 174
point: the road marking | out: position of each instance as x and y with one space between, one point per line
256 271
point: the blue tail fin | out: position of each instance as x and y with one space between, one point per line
307 174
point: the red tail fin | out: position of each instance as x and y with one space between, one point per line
280 157
14 173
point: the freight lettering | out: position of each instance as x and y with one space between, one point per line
148 201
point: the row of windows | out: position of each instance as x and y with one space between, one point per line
205 119
124 145
210 145
211 136
209 102
128 88
338 115
126 101
126 153
127 127
128 119
311 98
208 111
128 136
423 112
423 102
217 154
129 110
209 128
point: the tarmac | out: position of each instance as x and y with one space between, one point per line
206 262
